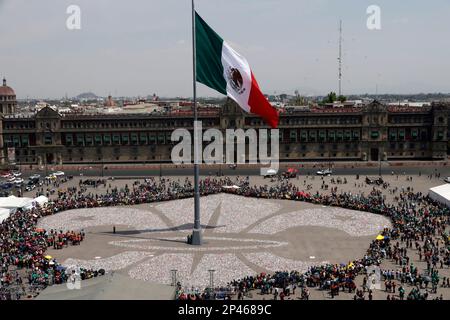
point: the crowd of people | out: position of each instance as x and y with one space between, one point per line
415 219
23 246
22 255
418 223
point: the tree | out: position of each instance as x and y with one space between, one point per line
342 98
330 98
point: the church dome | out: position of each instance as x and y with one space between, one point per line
5 90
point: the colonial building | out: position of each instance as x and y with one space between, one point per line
370 133
8 101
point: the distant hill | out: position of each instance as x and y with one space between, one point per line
87 96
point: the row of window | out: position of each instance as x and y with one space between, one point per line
134 124
321 136
322 147
412 146
409 119
141 138
20 125
328 155
316 121
409 134
17 141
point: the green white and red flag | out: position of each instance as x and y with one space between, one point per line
221 68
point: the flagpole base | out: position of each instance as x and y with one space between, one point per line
196 238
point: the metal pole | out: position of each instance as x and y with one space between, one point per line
379 167
379 161
211 279
340 57
196 238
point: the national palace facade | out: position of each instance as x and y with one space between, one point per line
370 133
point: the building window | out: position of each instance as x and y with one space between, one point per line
98 139
80 140
134 139
143 138
116 139
347 135
331 135
69 139
25 141
375 134
89 140
152 138
293 135
322 135
107 139
392 135
304 136
48 139
161 138
125 139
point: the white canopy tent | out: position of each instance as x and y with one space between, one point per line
41 200
4 214
441 194
13 202
234 187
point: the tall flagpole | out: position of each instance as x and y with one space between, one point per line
196 238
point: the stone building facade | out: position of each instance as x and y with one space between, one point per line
371 133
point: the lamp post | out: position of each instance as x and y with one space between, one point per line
379 163
174 277
211 279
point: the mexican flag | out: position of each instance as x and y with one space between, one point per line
223 69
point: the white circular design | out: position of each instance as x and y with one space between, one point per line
242 238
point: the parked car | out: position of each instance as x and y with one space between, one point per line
378 181
35 177
16 173
290 173
6 186
270 173
447 179
30 187
6 175
326 172
58 173
18 181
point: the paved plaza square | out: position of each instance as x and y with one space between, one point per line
243 236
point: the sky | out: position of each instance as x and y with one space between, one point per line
141 47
